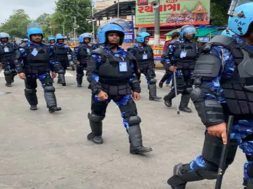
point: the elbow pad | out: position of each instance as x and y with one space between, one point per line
209 110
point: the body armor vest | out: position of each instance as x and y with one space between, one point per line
114 81
238 89
60 53
8 56
38 63
144 56
84 52
187 62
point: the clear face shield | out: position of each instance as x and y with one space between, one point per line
234 4
124 24
33 25
189 31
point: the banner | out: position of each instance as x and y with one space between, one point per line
129 33
173 13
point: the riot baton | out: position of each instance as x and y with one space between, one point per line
224 154
175 87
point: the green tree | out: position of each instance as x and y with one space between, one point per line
66 11
46 21
16 25
219 9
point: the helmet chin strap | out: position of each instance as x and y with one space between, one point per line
112 46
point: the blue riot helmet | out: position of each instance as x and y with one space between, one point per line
59 36
115 25
141 37
227 33
4 35
241 18
187 30
25 40
83 36
34 28
51 37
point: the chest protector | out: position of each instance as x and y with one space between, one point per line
114 73
60 53
144 55
238 89
84 52
38 63
7 53
187 62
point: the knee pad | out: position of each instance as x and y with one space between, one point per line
134 120
152 81
30 91
7 72
95 118
49 89
213 147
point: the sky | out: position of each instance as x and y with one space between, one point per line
34 8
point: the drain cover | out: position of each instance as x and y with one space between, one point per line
4 93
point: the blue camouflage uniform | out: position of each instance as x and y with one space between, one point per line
183 77
7 58
241 128
36 68
93 78
206 166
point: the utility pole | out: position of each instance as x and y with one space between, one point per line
156 5
63 30
93 19
118 8
74 29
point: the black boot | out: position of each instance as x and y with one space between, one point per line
182 174
135 139
8 78
184 103
96 128
13 76
250 184
164 78
152 93
33 107
168 98
51 99
79 79
62 79
31 97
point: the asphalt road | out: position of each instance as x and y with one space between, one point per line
39 150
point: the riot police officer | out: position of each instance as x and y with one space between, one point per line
180 57
60 53
168 74
7 58
111 73
145 59
51 40
36 65
81 54
223 78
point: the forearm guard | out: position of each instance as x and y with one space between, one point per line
19 66
209 110
94 86
135 86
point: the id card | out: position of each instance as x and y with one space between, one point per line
34 52
122 66
88 51
183 54
6 49
144 56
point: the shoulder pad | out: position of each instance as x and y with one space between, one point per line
23 45
208 66
99 51
221 40
131 47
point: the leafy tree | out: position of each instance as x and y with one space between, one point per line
219 9
66 11
16 25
